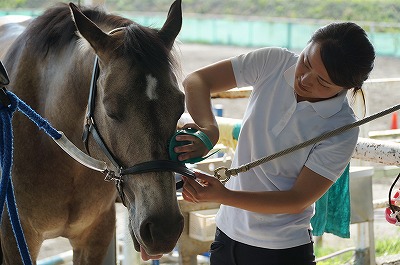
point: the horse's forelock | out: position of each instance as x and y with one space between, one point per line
149 50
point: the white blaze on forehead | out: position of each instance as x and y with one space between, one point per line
151 87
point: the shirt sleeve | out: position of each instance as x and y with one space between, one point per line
330 157
259 65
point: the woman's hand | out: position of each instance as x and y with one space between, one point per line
196 148
205 188
308 188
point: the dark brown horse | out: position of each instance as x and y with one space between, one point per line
136 108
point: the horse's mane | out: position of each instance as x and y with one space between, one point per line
55 29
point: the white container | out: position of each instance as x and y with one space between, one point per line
202 224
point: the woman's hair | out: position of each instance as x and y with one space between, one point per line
346 52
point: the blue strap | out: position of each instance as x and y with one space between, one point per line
6 158
40 122
6 188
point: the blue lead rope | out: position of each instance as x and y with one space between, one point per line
6 156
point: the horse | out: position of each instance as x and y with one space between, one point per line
134 110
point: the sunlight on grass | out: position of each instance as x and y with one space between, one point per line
387 247
383 247
345 258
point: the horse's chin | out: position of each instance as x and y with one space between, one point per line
139 248
159 241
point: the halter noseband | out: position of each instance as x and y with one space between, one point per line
150 166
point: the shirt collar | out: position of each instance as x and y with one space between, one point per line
325 108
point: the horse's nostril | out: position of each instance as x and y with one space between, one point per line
159 235
146 232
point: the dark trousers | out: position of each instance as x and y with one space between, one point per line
226 251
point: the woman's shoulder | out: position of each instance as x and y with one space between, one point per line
267 58
260 65
271 52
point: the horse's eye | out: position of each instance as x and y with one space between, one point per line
113 108
114 116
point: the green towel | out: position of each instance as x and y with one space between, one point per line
332 211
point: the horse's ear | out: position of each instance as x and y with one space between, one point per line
90 31
173 24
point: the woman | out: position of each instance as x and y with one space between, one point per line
265 212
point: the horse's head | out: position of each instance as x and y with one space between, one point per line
137 105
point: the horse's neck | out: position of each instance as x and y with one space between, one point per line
57 87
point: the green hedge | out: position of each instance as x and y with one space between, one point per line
356 10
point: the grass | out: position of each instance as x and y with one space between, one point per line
383 247
387 247
345 258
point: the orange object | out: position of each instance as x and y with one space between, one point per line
394 121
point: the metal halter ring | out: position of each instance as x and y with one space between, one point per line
221 174
111 176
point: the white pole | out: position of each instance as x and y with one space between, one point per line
131 257
385 152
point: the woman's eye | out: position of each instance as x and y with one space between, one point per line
320 82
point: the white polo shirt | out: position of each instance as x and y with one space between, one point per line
274 121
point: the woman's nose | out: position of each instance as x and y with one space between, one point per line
306 79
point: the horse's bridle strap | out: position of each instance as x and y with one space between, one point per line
99 140
160 165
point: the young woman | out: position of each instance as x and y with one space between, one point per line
265 212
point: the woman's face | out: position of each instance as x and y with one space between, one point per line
312 82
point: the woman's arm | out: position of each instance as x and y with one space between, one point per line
308 188
198 87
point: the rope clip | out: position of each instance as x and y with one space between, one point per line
222 174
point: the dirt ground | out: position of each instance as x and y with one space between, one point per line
194 56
